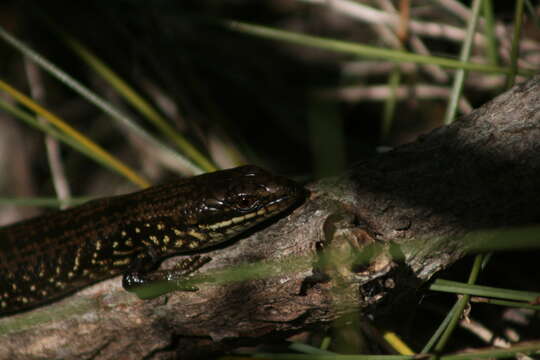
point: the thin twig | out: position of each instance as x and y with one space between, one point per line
60 182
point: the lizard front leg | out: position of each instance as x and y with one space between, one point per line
142 271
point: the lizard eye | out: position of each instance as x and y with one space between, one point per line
246 203
214 203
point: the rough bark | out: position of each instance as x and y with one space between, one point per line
481 172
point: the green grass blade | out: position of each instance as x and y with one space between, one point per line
44 127
364 50
77 136
479 290
514 54
532 13
327 139
460 305
459 78
138 102
441 328
390 103
106 107
43 202
493 353
506 303
518 238
489 31
308 349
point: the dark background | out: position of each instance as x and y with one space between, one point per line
260 93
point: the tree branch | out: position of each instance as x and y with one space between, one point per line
480 172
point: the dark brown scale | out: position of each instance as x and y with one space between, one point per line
47 257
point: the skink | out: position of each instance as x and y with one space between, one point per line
48 257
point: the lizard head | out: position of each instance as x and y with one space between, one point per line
240 198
